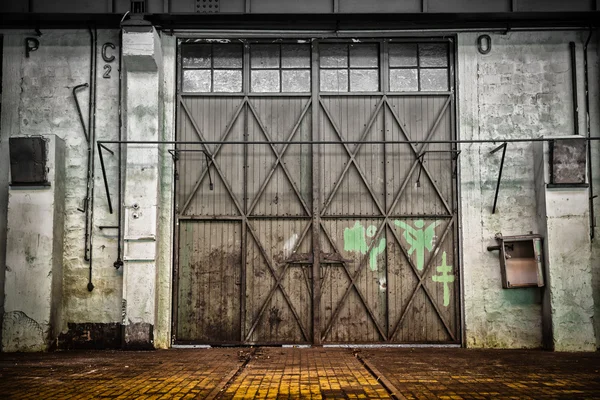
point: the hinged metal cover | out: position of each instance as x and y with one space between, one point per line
28 159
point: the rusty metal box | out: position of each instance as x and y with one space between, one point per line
28 161
521 260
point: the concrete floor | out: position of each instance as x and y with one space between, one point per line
272 372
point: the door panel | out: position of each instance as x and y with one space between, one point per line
361 249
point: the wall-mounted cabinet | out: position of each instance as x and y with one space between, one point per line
521 260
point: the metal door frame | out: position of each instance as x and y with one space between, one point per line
316 107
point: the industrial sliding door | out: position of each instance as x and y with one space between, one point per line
299 220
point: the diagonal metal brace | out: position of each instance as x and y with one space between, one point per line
100 147
455 154
503 147
175 154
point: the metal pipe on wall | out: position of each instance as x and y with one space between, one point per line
119 261
89 219
575 86
589 133
86 200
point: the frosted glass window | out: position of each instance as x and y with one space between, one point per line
264 56
349 67
364 55
334 80
196 56
434 80
265 81
433 55
333 55
279 68
403 55
295 81
227 56
419 67
364 80
295 56
404 80
197 80
211 67
229 81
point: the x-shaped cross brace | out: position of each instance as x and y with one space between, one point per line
277 285
209 154
421 278
352 155
279 156
353 278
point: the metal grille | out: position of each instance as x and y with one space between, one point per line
207 6
280 242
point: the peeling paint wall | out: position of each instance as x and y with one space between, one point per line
38 98
522 88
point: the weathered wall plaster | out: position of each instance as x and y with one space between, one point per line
522 88
143 123
594 91
37 100
563 215
162 337
33 286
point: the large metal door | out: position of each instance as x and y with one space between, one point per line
347 237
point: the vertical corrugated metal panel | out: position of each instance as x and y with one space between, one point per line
209 282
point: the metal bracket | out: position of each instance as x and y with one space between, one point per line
100 147
209 160
503 147
420 158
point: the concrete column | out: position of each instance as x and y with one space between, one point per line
34 258
568 305
141 56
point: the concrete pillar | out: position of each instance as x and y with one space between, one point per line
141 56
568 305
34 258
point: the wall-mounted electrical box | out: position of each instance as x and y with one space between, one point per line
28 161
568 162
521 260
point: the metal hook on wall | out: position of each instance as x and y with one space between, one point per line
31 44
503 147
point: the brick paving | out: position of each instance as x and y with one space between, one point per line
432 373
291 373
166 374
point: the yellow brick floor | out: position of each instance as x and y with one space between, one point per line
295 373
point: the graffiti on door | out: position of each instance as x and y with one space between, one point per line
355 240
445 278
419 239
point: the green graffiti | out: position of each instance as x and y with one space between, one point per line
418 239
355 240
376 251
445 278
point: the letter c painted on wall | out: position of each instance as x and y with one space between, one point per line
105 56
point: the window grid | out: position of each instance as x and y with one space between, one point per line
349 68
212 67
279 69
419 67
